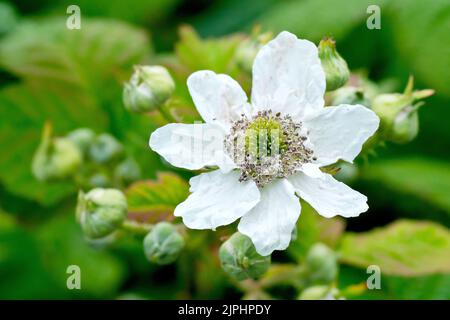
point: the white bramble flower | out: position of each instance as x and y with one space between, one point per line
268 153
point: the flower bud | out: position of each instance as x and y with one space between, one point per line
348 95
163 244
398 113
83 138
105 148
101 211
127 171
55 158
335 67
148 89
248 49
314 293
319 293
240 260
321 264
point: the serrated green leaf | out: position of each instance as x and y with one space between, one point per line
405 247
152 201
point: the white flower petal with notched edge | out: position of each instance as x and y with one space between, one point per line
218 98
340 132
191 146
288 77
270 223
328 196
217 199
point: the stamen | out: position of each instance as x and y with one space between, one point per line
267 147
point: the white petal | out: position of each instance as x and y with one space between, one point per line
271 222
217 199
218 98
328 196
191 146
311 169
340 132
288 77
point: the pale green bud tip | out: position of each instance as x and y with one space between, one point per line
105 148
83 138
334 66
240 260
148 89
101 211
321 264
55 158
163 244
398 113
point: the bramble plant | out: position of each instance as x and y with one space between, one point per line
255 159
265 150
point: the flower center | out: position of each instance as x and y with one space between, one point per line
267 147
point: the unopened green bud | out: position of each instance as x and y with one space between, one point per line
248 49
163 244
127 171
101 211
335 67
398 113
106 148
55 158
348 95
83 138
314 293
319 293
321 264
148 89
240 260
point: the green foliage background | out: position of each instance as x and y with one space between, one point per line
74 79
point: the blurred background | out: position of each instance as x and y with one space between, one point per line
74 78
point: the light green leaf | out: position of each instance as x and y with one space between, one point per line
152 201
426 179
405 247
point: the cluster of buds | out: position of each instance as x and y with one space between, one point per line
92 160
